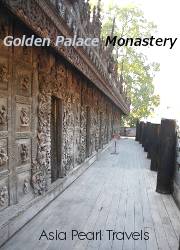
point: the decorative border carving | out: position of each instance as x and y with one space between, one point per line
41 165
4 197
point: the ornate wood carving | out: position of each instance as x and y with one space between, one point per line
4 197
55 77
24 191
41 165
4 76
3 153
68 125
3 115
24 153
82 144
43 20
24 118
24 84
3 73
26 186
3 157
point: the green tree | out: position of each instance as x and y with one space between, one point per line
136 70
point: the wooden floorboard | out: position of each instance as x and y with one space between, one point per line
116 193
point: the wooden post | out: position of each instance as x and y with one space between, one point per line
141 131
137 130
144 132
148 137
167 156
149 140
154 146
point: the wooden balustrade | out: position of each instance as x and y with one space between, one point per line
159 141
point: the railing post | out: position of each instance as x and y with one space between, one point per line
144 132
167 156
154 146
141 131
137 130
147 137
148 141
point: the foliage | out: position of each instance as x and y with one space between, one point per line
137 71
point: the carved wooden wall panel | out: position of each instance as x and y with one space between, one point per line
3 114
40 172
23 117
24 86
29 77
23 152
82 139
17 131
23 128
4 193
68 132
3 154
4 73
76 91
5 111
24 190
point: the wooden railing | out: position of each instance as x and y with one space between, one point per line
162 144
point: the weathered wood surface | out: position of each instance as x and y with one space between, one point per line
137 130
118 193
154 147
148 140
144 135
167 156
141 131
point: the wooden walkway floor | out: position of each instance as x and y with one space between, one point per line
116 193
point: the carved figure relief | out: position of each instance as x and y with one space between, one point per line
61 8
3 115
3 157
24 118
3 197
26 186
38 179
4 73
24 152
24 82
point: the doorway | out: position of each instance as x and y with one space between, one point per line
56 138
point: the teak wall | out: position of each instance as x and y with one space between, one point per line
30 79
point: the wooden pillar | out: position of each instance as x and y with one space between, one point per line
137 130
144 134
149 141
154 146
147 137
141 129
167 156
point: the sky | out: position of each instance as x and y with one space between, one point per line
165 14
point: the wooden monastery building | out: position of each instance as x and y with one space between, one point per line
59 106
